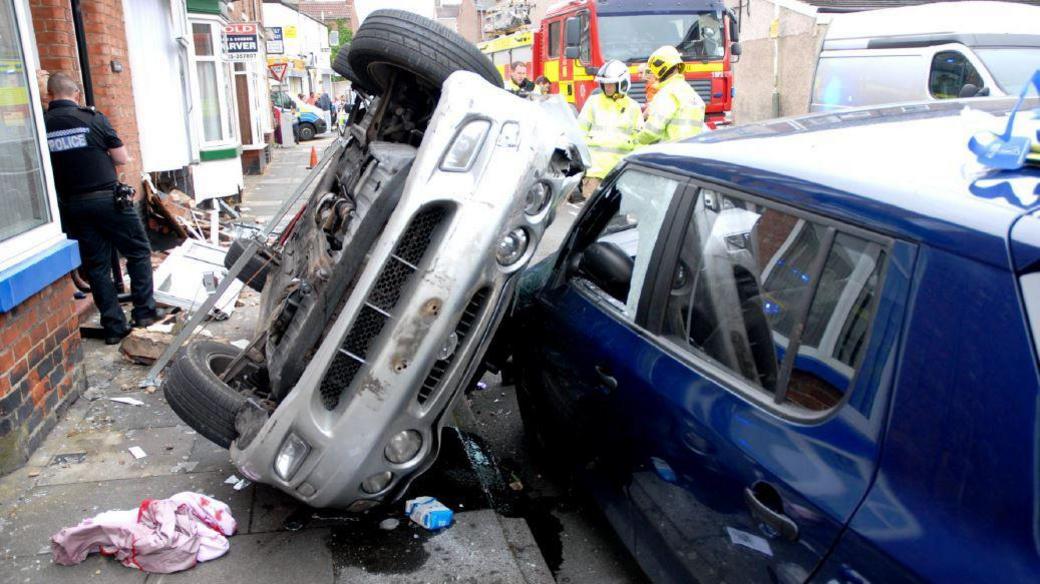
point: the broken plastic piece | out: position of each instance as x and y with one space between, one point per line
428 512
231 480
127 400
242 484
138 452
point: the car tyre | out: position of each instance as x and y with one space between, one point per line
254 273
307 131
342 66
198 395
397 39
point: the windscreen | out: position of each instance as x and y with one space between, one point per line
632 38
1011 67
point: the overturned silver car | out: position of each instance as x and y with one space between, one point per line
380 302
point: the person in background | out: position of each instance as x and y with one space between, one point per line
609 119
676 112
98 211
651 88
542 85
302 98
518 82
311 98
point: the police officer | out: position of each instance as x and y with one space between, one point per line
84 153
676 111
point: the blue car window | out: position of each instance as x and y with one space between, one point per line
633 232
745 294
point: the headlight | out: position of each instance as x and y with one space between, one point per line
290 456
403 446
376 482
511 247
466 146
537 197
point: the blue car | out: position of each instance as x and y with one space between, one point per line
802 350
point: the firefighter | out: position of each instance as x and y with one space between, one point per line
676 112
609 119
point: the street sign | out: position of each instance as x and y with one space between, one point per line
278 70
241 41
275 41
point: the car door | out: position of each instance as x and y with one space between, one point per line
580 334
756 403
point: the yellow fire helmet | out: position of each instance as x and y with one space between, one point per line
664 59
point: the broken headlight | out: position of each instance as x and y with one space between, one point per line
403 446
512 247
537 197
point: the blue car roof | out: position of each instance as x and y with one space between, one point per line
904 170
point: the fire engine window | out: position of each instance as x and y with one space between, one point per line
522 55
553 48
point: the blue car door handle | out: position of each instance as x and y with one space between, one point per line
608 382
767 508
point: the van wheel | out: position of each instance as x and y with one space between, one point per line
198 395
342 66
254 273
396 39
307 131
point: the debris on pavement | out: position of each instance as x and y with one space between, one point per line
143 346
428 512
242 484
389 524
93 393
127 400
231 480
185 466
138 452
160 536
190 273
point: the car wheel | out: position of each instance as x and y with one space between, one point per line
307 131
395 39
198 395
342 66
254 273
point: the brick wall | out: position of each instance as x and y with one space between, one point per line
40 375
106 42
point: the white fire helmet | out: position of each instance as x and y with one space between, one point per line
614 71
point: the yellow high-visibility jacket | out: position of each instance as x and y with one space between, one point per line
609 125
676 112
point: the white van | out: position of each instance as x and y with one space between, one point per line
934 51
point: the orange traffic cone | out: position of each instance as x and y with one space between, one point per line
314 158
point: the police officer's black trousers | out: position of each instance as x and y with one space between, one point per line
98 226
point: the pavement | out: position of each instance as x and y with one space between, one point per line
543 531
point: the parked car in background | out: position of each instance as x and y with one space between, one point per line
380 300
802 349
936 51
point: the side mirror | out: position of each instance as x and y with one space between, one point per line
609 267
570 53
734 49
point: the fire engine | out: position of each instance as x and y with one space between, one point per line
575 37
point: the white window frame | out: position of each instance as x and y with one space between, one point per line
28 243
224 72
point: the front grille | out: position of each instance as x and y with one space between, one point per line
701 86
379 306
462 330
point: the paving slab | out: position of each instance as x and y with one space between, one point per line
155 413
40 570
31 520
270 558
472 549
106 454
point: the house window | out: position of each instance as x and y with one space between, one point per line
212 74
23 193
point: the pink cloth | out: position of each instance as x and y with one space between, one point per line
161 536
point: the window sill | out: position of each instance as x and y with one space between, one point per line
31 275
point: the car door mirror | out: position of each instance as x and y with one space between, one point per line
607 266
